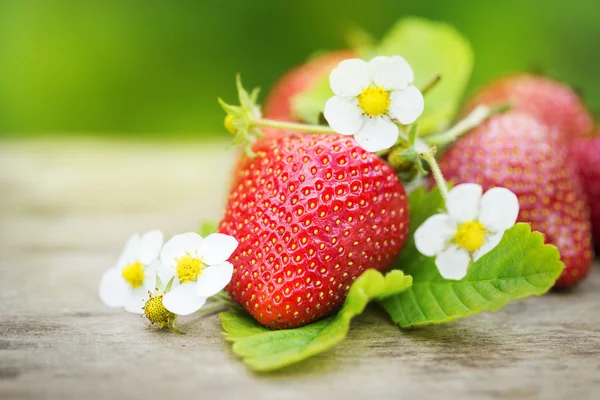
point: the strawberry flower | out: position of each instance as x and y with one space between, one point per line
127 283
472 227
198 267
370 98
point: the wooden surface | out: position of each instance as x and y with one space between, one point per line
66 209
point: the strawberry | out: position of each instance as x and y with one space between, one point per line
552 102
516 151
278 103
586 154
310 213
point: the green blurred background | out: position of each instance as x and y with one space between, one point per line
155 68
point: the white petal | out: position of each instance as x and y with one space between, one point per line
377 133
491 241
132 250
406 105
350 77
113 288
463 202
136 300
392 73
343 115
178 246
499 209
433 235
217 248
183 299
453 263
152 242
214 279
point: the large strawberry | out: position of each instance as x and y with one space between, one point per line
586 154
311 213
516 151
278 104
552 102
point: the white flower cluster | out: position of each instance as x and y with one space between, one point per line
197 267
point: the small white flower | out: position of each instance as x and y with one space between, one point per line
199 268
369 96
473 226
127 283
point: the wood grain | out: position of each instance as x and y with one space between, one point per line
66 209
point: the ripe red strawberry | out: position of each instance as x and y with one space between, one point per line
278 103
586 154
516 151
311 213
552 102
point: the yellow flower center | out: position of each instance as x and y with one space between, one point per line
374 101
188 268
470 235
134 274
156 312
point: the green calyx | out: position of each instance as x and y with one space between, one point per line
404 158
240 119
156 312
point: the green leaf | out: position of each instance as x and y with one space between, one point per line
207 227
431 48
520 266
263 349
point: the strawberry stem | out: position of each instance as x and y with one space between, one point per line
431 83
473 120
429 156
220 301
271 123
212 307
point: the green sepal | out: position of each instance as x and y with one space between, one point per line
229 109
175 329
412 134
159 283
410 154
169 284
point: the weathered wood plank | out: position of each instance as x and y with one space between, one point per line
66 210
